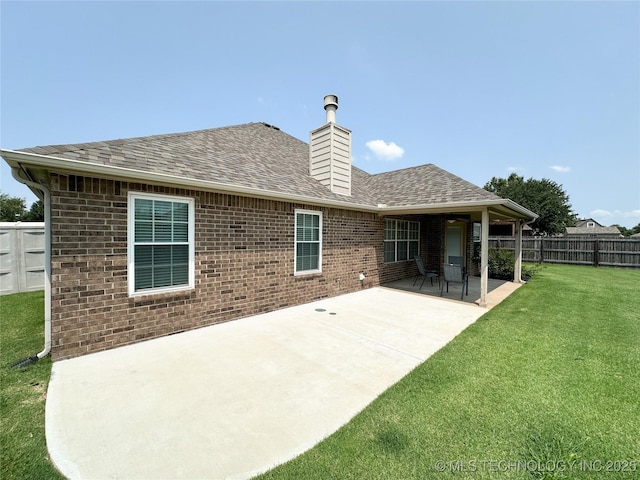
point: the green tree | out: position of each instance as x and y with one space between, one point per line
14 209
35 213
628 231
544 197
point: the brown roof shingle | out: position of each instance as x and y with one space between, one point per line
425 185
257 155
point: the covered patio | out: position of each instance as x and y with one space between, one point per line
451 232
497 290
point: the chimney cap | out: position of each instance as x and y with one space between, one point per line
330 100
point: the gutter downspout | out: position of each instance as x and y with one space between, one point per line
523 222
17 174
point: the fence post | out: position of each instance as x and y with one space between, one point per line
541 249
596 252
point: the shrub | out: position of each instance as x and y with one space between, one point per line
501 263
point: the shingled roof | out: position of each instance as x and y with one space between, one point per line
425 185
593 231
262 157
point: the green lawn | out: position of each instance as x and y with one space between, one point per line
23 451
550 377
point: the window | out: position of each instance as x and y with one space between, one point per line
477 232
308 240
401 240
161 243
477 240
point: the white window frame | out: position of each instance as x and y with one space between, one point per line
395 239
317 213
132 197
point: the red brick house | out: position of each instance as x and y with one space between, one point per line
156 235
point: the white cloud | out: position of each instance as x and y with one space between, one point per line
560 169
384 150
626 218
600 213
616 213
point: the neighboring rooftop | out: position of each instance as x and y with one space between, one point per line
589 227
590 231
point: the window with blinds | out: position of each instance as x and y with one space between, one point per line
160 243
308 240
401 240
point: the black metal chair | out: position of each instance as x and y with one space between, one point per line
424 273
455 274
455 260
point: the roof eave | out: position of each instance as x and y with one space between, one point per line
502 206
65 165
524 212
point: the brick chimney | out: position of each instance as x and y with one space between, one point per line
330 152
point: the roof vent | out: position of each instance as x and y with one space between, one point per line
330 106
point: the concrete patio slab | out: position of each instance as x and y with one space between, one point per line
236 399
497 290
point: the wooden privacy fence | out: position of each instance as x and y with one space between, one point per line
607 252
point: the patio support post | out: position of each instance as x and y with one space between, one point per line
517 268
484 257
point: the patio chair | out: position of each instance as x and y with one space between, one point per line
455 260
455 274
424 273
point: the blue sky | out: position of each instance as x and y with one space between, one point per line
545 89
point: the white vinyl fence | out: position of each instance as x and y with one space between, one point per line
21 257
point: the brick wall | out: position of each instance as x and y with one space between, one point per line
433 232
244 263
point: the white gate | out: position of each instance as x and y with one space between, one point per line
21 257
